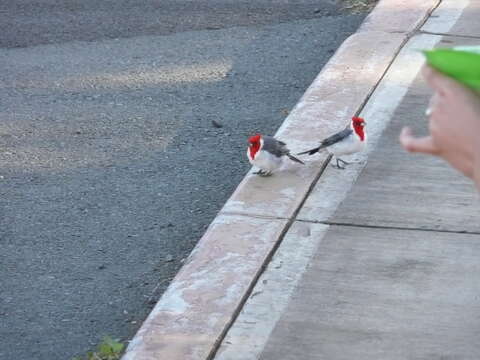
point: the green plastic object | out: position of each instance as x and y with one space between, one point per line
461 63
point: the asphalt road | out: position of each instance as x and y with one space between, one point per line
110 166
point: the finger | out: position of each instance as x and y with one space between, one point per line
440 82
423 145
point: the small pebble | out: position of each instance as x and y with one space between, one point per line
216 124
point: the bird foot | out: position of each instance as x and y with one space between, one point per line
343 162
338 167
263 173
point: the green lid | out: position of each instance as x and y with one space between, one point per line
461 63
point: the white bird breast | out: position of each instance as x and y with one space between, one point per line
266 161
348 146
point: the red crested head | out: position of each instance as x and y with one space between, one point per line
254 139
358 125
254 145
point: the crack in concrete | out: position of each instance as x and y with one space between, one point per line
253 215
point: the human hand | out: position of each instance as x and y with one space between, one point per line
454 125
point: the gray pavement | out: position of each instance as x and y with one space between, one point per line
379 293
26 23
110 166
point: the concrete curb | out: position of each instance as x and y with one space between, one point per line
193 315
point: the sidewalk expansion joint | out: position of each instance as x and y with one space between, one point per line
388 227
418 28
425 32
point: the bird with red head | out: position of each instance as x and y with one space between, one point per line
268 154
350 140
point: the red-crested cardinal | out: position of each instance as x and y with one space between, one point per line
350 140
268 153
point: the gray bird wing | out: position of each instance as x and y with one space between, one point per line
274 146
336 137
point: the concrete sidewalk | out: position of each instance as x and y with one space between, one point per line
379 261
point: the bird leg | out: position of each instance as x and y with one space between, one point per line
338 164
261 173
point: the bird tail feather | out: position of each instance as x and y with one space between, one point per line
312 151
293 158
